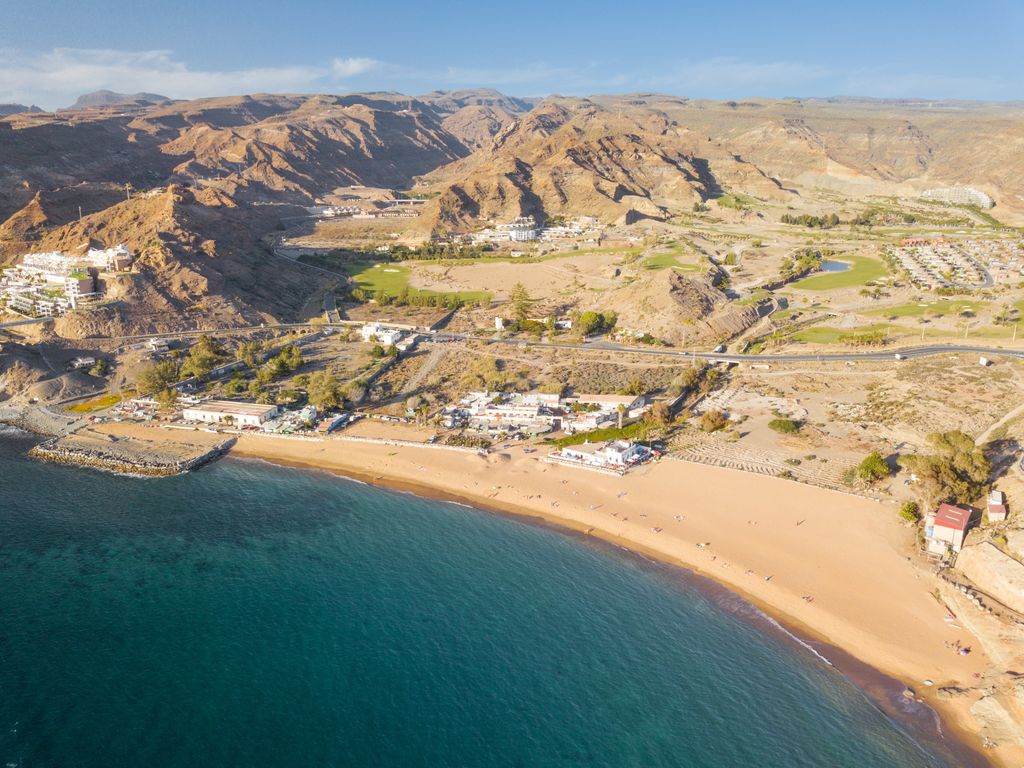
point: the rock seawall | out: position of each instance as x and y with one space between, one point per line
126 458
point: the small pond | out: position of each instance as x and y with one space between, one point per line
829 265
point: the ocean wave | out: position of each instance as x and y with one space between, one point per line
796 638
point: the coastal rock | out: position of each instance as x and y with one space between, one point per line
124 455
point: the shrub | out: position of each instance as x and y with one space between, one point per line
910 512
873 468
712 421
784 426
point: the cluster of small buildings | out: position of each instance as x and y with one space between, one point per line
946 528
524 229
403 208
51 284
538 413
559 323
331 211
938 263
1004 257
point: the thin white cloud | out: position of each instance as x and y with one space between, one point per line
882 84
529 73
54 79
727 75
351 67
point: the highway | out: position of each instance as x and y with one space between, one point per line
602 345
874 356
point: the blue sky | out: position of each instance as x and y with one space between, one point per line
52 51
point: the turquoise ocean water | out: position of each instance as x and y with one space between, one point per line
249 615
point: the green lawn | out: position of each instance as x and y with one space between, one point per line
391 278
677 256
756 296
525 259
735 200
669 259
864 269
938 308
824 334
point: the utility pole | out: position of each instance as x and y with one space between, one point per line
79 213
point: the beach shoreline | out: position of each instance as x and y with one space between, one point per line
938 727
769 541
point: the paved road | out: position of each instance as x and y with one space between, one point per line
26 321
607 346
888 355
331 313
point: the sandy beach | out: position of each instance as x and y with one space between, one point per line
833 566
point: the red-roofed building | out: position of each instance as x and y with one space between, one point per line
946 528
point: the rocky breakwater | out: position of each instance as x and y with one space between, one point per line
128 455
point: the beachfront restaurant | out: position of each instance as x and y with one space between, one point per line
945 529
234 412
616 454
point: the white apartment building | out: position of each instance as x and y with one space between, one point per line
372 332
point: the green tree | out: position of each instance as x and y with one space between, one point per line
100 368
910 512
292 357
167 398
873 468
156 377
249 353
520 302
205 355
594 322
236 386
324 390
659 414
957 470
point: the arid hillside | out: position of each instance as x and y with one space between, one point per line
626 157
200 263
256 148
200 188
618 161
